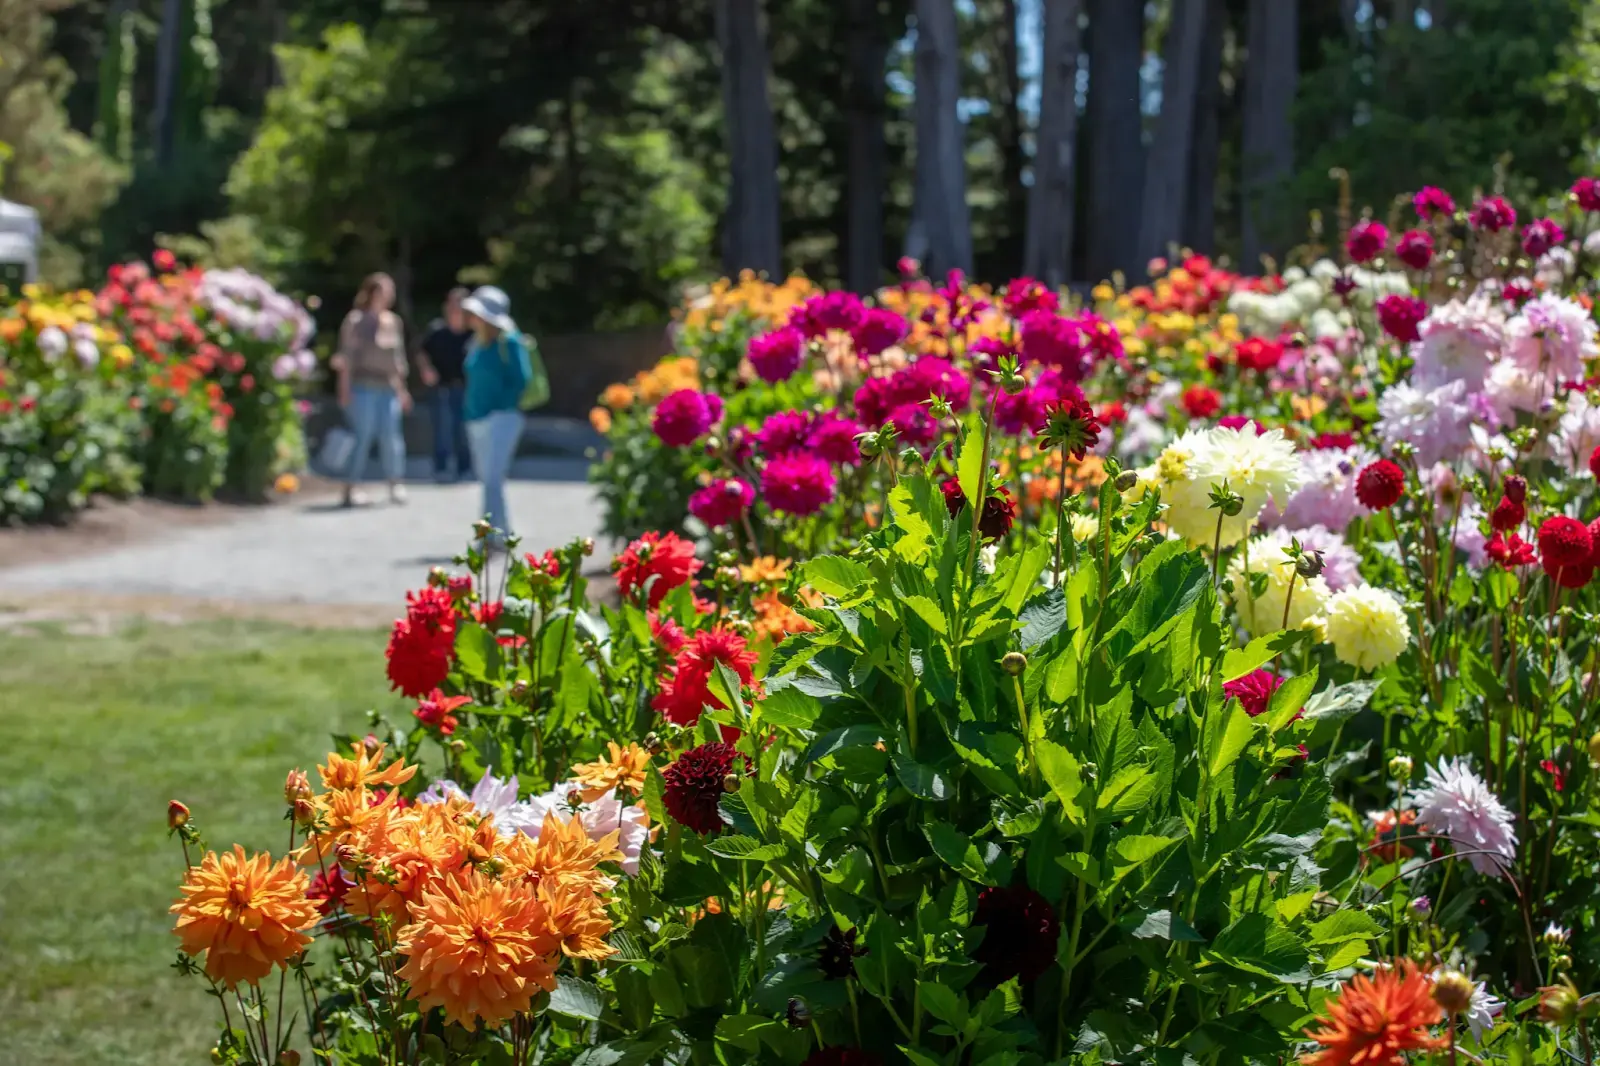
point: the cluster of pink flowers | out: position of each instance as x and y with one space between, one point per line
902 398
685 416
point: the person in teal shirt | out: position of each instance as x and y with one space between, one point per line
498 372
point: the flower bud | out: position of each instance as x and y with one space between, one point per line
653 744
1013 662
1594 748
177 815
868 445
297 786
482 528
216 1056
437 578
1400 768
371 743
1127 480
1422 906
798 1015
305 812
1452 990
730 783
289 1057
1558 1004
520 689
1516 489
1309 565
458 746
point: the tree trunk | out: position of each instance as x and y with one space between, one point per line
1049 241
941 175
1168 169
867 52
1267 141
1200 212
1405 13
168 44
1114 152
1014 160
752 240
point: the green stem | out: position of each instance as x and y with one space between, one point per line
1027 732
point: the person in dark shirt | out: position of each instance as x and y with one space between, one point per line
442 361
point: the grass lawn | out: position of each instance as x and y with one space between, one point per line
99 733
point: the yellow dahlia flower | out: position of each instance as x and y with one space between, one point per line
1367 626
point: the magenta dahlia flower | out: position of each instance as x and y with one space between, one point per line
1586 194
1493 214
1023 295
721 502
1401 316
877 330
833 436
782 433
1414 249
1433 202
827 311
1367 240
798 483
778 354
1541 235
1055 341
685 416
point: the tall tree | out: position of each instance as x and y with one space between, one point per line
1200 211
752 235
1049 239
1114 153
867 152
941 221
1167 172
169 46
1272 69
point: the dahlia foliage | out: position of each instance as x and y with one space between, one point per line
1206 670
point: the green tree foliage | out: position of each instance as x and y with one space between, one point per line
44 162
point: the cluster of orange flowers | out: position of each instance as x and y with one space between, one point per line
774 618
482 919
751 295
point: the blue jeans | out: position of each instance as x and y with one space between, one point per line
374 415
449 431
494 444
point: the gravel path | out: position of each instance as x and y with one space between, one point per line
316 552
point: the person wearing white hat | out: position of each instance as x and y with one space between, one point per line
499 372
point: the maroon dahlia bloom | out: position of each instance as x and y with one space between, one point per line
1401 316
1367 240
1380 485
1020 933
1541 235
695 785
837 956
782 433
1415 249
999 510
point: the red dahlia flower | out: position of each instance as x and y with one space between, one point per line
1400 316
999 510
419 658
1586 194
687 693
833 436
1380 485
828 311
1070 423
1493 214
660 561
1510 552
878 330
1201 402
1253 691
438 710
1027 294
1367 239
1507 515
1433 202
1564 542
1541 235
1020 932
1415 249
1594 463
695 785
1255 353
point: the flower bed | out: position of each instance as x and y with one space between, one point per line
175 383
1205 674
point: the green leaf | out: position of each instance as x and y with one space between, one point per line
745 849
726 686
577 998
1160 925
1289 698
1257 944
655 796
957 851
788 708
1259 652
1043 619
969 464
689 884
1339 702
921 781
1344 925
477 653
1227 733
1131 852
1129 789
836 576
927 610
796 821
943 1004
1064 774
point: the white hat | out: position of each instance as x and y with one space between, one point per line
493 306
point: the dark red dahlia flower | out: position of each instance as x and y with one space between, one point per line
1201 402
1414 249
1070 423
695 785
999 509
1401 316
1564 543
1020 933
1366 241
1254 690
1380 485
837 956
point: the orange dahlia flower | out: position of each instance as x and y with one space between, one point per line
1377 1019
363 770
246 914
480 949
623 767
578 918
563 854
